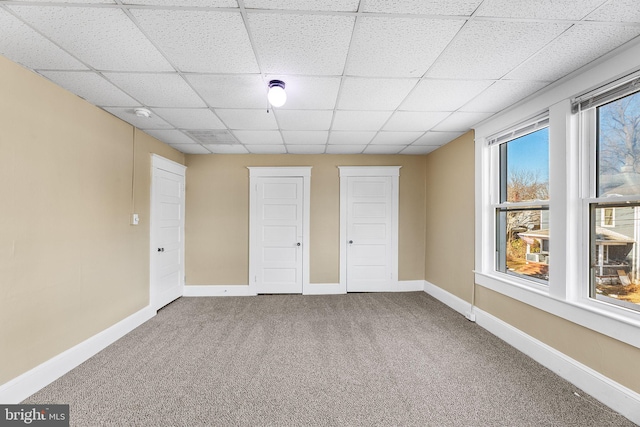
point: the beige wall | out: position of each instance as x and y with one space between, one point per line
217 214
450 217
70 263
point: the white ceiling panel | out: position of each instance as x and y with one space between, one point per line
104 38
232 91
414 121
266 149
460 122
172 136
144 123
539 9
200 41
257 137
190 118
304 119
300 137
190 148
383 149
437 138
419 149
23 45
184 3
396 138
617 11
490 49
306 149
301 44
345 149
315 5
247 119
351 138
226 148
443 95
359 120
308 93
398 47
424 7
502 94
577 47
374 94
157 90
92 87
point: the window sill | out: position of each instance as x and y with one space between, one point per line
618 323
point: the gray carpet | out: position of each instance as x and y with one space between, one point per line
345 360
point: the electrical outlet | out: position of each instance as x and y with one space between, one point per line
135 219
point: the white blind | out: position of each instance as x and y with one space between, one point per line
521 129
610 92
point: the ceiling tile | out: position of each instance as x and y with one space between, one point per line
414 121
309 93
617 11
373 94
317 5
157 90
129 116
437 138
304 119
461 122
171 136
396 138
351 138
267 149
200 41
301 44
21 44
345 149
256 137
190 148
237 91
226 148
360 120
398 47
104 38
299 137
502 94
423 7
185 3
383 149
247 119
489 50
92 87
190 118
575 48
419 149
306 149
539 9
443 95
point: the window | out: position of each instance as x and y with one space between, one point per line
522 217
614 208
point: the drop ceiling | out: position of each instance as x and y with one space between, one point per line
362 76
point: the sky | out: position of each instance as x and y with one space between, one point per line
530 152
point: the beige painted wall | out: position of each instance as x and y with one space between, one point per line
70 263
217 214
450 217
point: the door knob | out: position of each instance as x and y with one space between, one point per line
160 249
350 241
298 244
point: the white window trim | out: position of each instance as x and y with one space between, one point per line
567 295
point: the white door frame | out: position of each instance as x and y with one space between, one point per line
159 162
303 172
371 171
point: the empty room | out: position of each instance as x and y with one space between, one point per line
320 212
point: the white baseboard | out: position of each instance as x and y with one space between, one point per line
323 289
616 396
217 291
19 388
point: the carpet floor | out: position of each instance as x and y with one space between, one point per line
385 359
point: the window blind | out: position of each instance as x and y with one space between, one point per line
615 90
521 129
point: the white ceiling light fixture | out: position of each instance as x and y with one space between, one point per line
277 96
142 112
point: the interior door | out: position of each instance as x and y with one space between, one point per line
278 235
167 231
370 250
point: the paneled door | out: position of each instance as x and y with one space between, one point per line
167 232
370 230
277 234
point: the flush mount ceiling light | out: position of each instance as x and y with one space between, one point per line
142 112
277 96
